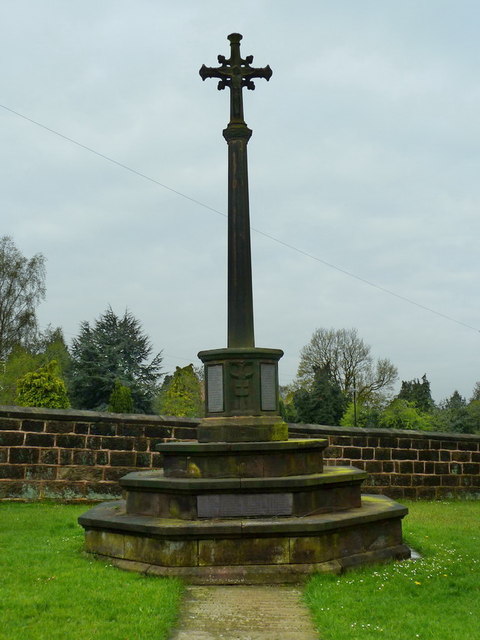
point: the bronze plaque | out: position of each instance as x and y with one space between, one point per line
215 388
268 380
234 505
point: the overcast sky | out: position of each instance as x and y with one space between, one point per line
364 155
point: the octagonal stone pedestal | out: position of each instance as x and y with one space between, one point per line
245 512
247 551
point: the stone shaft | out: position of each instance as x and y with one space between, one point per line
236 74
240 330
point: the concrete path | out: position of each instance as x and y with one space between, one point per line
244 613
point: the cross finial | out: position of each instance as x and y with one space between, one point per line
235 73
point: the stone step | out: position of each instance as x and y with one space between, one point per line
248 551
151 493
242 459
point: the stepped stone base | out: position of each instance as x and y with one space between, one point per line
247 551
245 513
151 493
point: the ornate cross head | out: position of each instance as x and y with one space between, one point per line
235 73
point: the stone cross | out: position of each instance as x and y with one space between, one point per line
236 73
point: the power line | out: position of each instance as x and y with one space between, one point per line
368 282
263 233
105 157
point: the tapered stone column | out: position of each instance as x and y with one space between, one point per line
240 296
241 380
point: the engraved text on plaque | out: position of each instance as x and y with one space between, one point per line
215 388
268 386
231 505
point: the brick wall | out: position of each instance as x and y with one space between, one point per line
78 455
404 464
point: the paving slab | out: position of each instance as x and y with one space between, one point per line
244 613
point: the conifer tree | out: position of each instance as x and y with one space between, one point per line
43 388
120 400
114 348
418 393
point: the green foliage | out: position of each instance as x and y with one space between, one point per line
114 348
402 414
19 363
285 404
453 415
417 393
287 410
456 401
476 392
456 417
120 400
323 403
473 412
48 346
181 395
43 388
22 287
368 416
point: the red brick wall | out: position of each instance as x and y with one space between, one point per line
78 455
404 464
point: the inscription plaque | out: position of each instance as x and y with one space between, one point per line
268 387
215 388
230 505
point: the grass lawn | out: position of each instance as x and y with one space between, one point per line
49 590
435 598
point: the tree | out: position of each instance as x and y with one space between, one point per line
120 400
363 415
114 348
50 345
22 287
456 401
285 404
43 388
323 403
418 393
18 364
473 422
446 419
402 414
46 347
476 392
455 415
349 361
181 395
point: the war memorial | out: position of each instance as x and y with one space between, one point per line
243 504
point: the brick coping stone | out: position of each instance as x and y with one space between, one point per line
40 413
319 429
